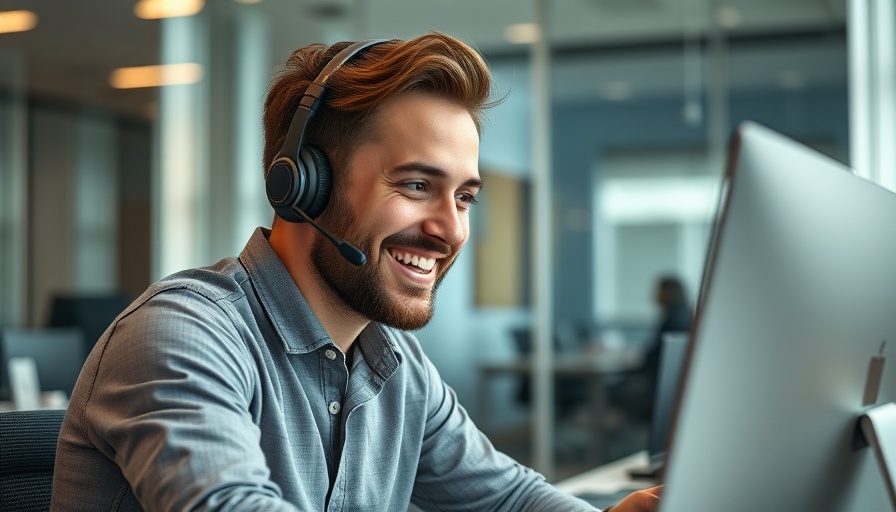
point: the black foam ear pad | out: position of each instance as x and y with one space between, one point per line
305 184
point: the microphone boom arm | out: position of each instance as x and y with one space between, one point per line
348 251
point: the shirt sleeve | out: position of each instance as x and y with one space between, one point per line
461 470
171 406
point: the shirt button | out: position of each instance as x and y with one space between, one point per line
330 354
335 407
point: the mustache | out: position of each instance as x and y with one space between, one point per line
417 242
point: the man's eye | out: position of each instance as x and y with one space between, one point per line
416 186
468 199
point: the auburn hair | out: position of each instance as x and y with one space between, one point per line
433 63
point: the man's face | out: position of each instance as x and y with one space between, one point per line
405 203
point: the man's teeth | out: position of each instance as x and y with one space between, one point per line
417 261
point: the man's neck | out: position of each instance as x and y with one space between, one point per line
342 323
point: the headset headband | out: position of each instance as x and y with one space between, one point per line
313 98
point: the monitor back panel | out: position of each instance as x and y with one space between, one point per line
799 293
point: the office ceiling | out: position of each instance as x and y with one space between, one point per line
76 44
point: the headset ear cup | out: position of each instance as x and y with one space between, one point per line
284 186
320 181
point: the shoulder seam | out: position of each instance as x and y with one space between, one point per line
226 299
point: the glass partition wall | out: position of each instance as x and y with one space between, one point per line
13 203
643 97
602 165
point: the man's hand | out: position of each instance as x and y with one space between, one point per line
647 500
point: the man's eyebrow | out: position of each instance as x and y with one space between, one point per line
433 171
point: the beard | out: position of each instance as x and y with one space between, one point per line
364 288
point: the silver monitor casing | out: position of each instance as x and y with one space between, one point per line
798 294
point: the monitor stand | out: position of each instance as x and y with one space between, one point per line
879 428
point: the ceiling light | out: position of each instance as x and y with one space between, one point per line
155 76
17 21
155 9
522 33
248 2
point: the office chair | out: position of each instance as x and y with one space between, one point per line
27 455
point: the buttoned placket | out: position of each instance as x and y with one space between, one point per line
336 367
365 380
336 382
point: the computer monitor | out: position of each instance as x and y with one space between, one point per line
799 293
57 353
92 313
667 386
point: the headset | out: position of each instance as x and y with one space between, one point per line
299 181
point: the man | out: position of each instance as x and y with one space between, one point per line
676 315
284 379
635 395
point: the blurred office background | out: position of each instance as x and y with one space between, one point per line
603 166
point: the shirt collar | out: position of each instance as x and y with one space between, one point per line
292 317
289 312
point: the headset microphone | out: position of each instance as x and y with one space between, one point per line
348 251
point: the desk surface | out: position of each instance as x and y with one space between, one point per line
48 400
609 478
591 366
584 363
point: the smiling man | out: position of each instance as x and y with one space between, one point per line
406 203
285 379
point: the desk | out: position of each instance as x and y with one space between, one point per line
591 366
48 400
608 478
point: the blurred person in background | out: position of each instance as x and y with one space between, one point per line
634 394
676 315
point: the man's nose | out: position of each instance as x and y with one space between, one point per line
446 222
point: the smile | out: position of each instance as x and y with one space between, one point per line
421 264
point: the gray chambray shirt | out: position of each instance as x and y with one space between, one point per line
218 389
